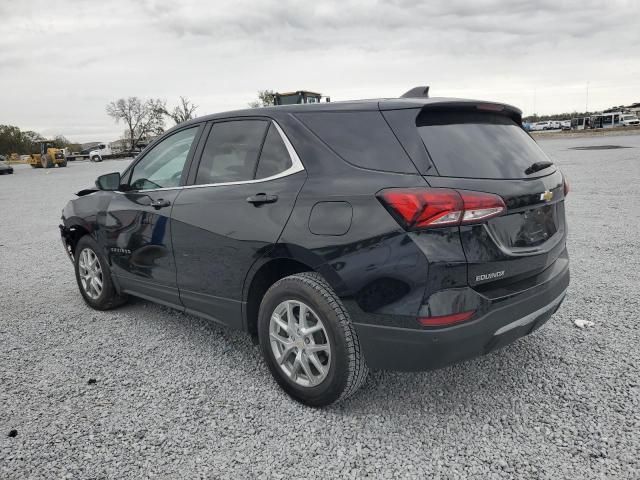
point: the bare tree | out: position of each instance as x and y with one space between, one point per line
183 112
143 118
265 99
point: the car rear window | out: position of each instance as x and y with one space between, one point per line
475 144
361 138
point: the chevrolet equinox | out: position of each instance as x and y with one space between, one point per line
403 234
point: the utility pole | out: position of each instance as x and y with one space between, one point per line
586 106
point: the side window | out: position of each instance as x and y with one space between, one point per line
363 139
274 157
162 166
231 151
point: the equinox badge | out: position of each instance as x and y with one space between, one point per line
489 276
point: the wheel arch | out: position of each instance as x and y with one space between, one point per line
282 261
71 235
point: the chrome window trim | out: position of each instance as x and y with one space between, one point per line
296 166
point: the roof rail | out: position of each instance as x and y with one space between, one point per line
417 92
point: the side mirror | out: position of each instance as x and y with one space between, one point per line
108 181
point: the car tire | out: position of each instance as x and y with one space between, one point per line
343 367
96 159
105 298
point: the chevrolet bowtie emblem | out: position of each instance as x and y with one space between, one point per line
546 196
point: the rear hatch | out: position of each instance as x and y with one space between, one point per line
482 148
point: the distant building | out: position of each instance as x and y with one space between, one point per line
634 108
88 145
123 144
119 146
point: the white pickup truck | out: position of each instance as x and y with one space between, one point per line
100 152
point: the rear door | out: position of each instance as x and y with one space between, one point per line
486 151
242 192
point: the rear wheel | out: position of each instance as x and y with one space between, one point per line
308 341
94 276
63 163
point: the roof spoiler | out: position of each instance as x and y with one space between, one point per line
417 92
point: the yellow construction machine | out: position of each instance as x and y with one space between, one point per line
48 157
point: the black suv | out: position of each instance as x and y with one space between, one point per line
401 234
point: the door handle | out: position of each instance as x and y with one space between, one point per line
261 198
160 203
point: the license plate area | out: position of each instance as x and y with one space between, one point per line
528 228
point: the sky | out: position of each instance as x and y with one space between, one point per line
62 61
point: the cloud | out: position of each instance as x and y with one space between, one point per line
63 61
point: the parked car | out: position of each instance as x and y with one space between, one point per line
347 236
538 126
629 120
5 168
565 124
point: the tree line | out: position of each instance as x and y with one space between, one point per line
142 118
556 116
14 140
145 118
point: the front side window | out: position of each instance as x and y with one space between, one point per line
162 167
231 151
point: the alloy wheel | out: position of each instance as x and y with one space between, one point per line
300 343
90 272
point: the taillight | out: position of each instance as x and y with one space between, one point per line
446 320
480 206
416 208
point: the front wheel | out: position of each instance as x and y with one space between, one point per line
94 276
308 341
96 158
46 161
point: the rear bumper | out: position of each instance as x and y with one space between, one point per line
507 319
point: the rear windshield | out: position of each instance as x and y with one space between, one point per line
478 145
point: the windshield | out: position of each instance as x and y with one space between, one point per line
478 145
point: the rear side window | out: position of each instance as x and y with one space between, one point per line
478 145
231 151
274 158
361 138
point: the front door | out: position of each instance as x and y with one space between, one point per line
244 190
136 229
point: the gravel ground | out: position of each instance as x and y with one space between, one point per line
145 391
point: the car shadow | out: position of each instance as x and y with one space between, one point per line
504 377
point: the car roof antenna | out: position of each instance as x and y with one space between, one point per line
417 92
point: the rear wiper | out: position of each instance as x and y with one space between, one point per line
536 167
